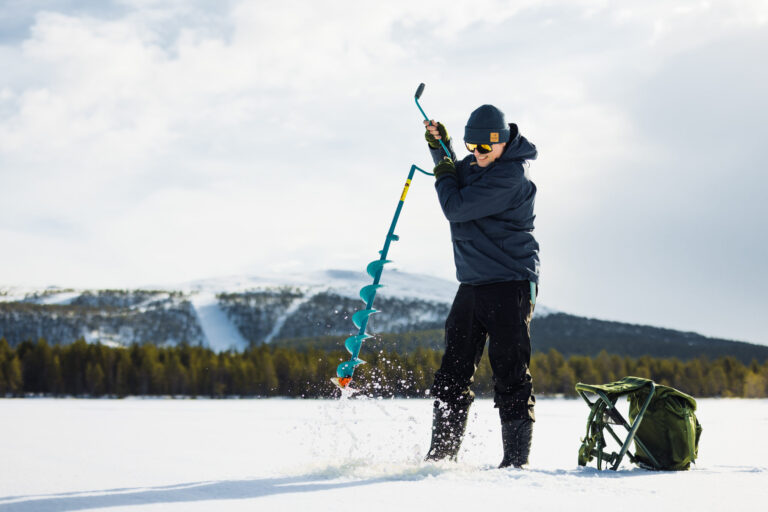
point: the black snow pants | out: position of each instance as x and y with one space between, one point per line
500 313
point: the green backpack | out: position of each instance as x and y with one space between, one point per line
669 429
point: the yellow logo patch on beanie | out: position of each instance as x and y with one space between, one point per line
494 136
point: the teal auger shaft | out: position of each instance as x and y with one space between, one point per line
368 293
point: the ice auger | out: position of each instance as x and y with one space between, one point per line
368 293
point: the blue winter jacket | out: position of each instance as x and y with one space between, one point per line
491 214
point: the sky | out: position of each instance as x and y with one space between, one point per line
146 142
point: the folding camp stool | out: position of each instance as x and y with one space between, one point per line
603 414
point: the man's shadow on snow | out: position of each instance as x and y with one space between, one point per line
256 488
191 492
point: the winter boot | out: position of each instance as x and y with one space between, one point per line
448 424
516 436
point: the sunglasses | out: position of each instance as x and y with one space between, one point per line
481 148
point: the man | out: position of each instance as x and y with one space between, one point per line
488 199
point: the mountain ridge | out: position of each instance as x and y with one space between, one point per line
236 312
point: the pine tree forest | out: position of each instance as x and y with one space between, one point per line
95 370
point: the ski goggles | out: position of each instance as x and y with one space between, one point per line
481 148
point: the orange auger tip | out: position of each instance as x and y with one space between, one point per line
341 382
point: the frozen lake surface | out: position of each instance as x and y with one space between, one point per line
194 455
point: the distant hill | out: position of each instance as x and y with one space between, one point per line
312 309
571 334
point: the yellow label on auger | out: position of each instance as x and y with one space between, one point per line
405 190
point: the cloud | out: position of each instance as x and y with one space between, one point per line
146 141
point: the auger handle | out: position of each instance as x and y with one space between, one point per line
418 94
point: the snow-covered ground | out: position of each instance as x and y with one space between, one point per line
332 455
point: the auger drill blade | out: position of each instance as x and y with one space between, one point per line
374 267
347 368
367 293
362 317
353 343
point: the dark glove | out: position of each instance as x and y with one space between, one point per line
445 166
432 141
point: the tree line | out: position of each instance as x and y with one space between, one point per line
96 370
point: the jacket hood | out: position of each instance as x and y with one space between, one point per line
518 147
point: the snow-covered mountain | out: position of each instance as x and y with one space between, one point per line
233 312
241 311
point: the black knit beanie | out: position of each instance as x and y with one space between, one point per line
486 125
